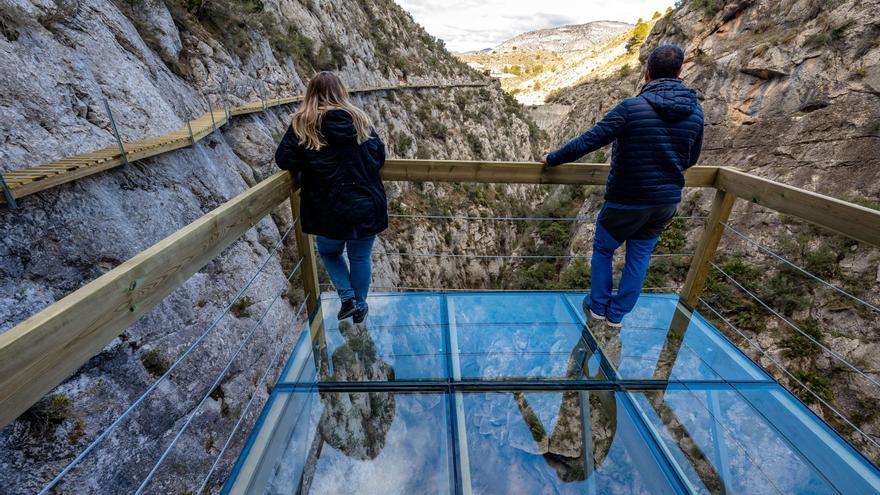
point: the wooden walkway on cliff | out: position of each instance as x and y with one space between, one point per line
24 182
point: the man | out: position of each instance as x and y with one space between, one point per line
657 136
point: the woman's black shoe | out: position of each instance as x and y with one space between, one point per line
348 309
360 315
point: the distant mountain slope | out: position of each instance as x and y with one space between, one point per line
565 39
538 64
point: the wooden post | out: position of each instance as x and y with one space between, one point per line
722 205
305 245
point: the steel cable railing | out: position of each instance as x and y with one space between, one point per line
795 327
273 363
800 269
134 405
191 416
782 368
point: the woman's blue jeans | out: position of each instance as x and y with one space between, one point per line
353 282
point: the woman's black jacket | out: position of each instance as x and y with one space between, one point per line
342 193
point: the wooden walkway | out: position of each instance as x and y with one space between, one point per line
32 180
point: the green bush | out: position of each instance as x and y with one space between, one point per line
437 129
640 34
556 236
576 275
674 238
819 384
404 143
785 292
47 415
154 362
823 261
475 143
796 345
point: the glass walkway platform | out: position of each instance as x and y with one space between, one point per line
513 393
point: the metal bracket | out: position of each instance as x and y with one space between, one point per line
226 92
116 133
7 193
259 90
192 139
210 111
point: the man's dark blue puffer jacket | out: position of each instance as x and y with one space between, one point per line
657 136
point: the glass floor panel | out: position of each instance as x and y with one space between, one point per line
525 351
334 442
570 442
739 439
512 393
661 341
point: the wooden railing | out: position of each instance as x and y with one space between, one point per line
41 352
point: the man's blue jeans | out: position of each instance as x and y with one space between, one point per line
353 283
641 230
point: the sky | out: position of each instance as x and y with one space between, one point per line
467 25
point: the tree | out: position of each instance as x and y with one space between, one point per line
640 33
656 15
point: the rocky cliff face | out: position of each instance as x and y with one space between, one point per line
790 92
152 61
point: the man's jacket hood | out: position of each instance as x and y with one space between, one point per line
671 99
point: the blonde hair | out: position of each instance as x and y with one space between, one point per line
325 93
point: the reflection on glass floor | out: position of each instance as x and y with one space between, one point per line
513 393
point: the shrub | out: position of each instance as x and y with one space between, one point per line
823 262
154 363
475 143
819 384
437 129
625 71
674 238
241 308
710 7
785 292
538 276
797 345
47 415
404 143
556 235
576 275
640 34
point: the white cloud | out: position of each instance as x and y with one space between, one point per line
475 24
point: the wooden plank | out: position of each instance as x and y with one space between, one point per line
56 180
516 172
849 219
695 282
41 352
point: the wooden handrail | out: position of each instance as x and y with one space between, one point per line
517 173
42 351
851 220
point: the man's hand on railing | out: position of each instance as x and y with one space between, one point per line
544 161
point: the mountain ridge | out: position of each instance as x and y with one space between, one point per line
568 38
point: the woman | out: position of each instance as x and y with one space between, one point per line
333 148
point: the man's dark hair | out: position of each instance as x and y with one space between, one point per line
665 62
